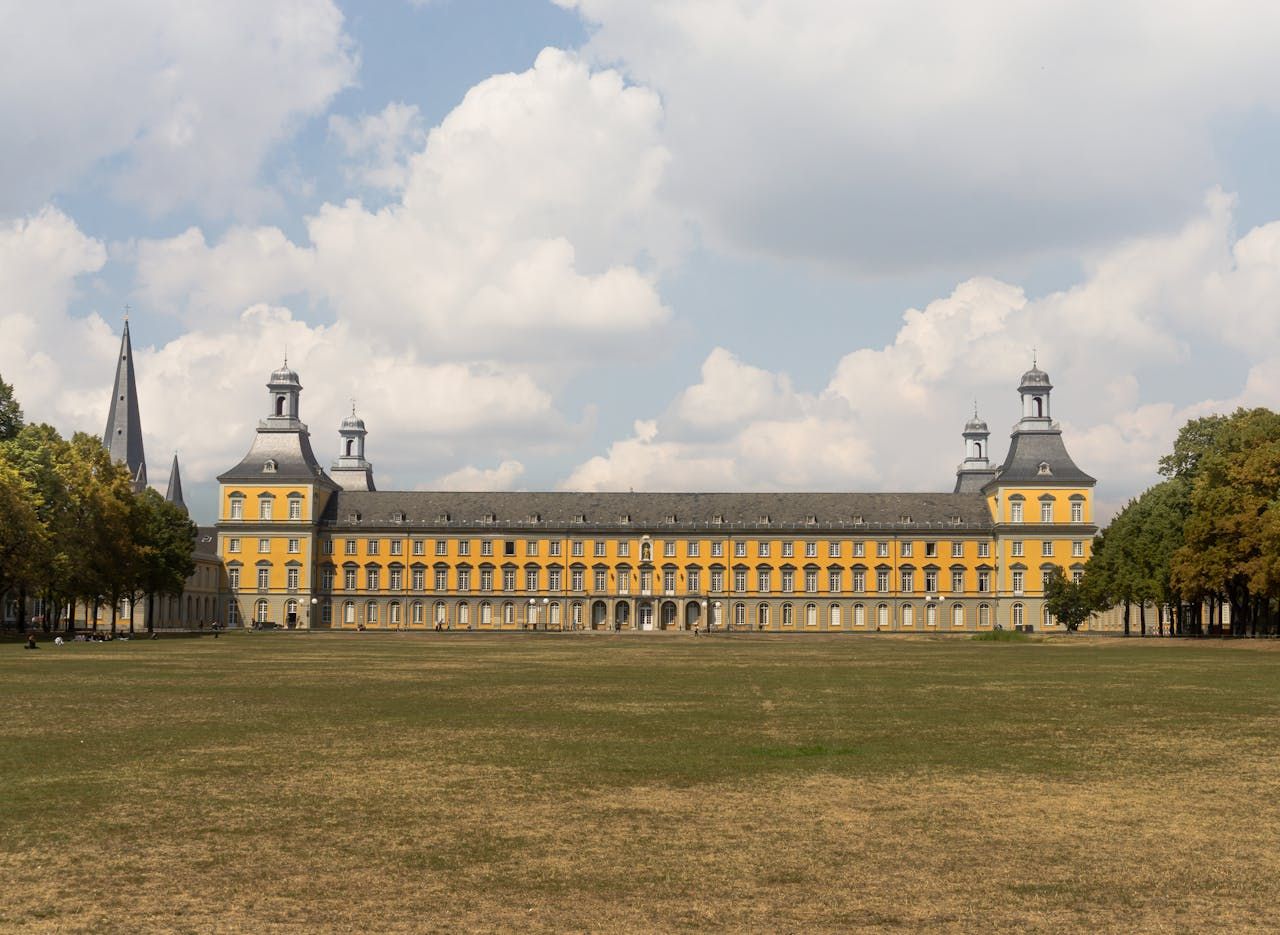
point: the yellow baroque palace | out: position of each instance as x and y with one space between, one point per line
306 548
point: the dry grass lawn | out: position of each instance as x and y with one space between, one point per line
455 782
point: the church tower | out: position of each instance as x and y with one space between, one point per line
173 493
351 470
976 468
123 435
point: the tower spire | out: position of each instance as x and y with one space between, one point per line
123 435
173 493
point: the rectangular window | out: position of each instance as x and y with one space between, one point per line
264 579
859 550
669 582
294 546
371 547
859 581
508 579
624 582
717 550
739 580
464 579
811 581
1046 547
442 579
237 508
371 579
788 581
264 546
509 548
788 550
1017 582
811 550
669 549
576 580
349 547
1015 548
328 547
326 580
486 579
602 581
264 508
464 546
1077 576
984 581
553 579
646 581
762 582
397 547
233 578
419 546
957 550
763 549
442 547
486 546
233 545
553 549
419 579
291 579
906 549
531 580
1015 511
717 581
882 550
349 579
833 550
882 581
908 581
931 582
600 548
931 550
624 549
740 549
957 581
695 581
1077 549
984 550
531 547
1077 511
1046 511
833 581
694 548
576 548
295 508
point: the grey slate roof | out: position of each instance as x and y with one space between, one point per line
206 544
1028 450
653 511
123 434
289 449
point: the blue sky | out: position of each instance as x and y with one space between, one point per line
671 244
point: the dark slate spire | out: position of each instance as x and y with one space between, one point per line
173 493
123 437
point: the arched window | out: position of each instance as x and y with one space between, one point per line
260 611
464 615
739 615
833 619
416 611
1017 615
908 615
810 615
349 614
486 614
440 615
882 616
291 611
394 614
233 614
1047 618
370 613
930 615
351 444
859 615
787 620
957 615
280 405
762 616
984 615
977 447
508 614
575 615
554 619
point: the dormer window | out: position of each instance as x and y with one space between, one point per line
269 466
353 517
1044 470
535 517
857 521
811 520
489 519
718 519
905 519
442 518
764 520
399 517
580 517
624 519
671 518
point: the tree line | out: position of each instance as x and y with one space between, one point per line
1204 538
72 530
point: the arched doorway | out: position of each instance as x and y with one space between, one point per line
622 615
692 615
669 614
645 618
599 614
762 617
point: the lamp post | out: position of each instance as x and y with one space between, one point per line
546 616
716 605
529 621
311 614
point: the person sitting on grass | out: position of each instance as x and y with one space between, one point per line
31 641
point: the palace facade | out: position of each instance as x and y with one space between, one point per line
302 547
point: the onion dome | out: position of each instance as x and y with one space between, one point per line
1035 377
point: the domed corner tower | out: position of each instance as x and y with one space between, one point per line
1042 507
351 471
976 470
269 507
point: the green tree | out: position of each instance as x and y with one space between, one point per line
166 540
1067 600
22 535
10 413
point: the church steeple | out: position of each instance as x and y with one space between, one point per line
123 435
173 493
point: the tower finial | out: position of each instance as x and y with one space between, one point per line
975 408
353 405
1034 362
127 309
286 355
